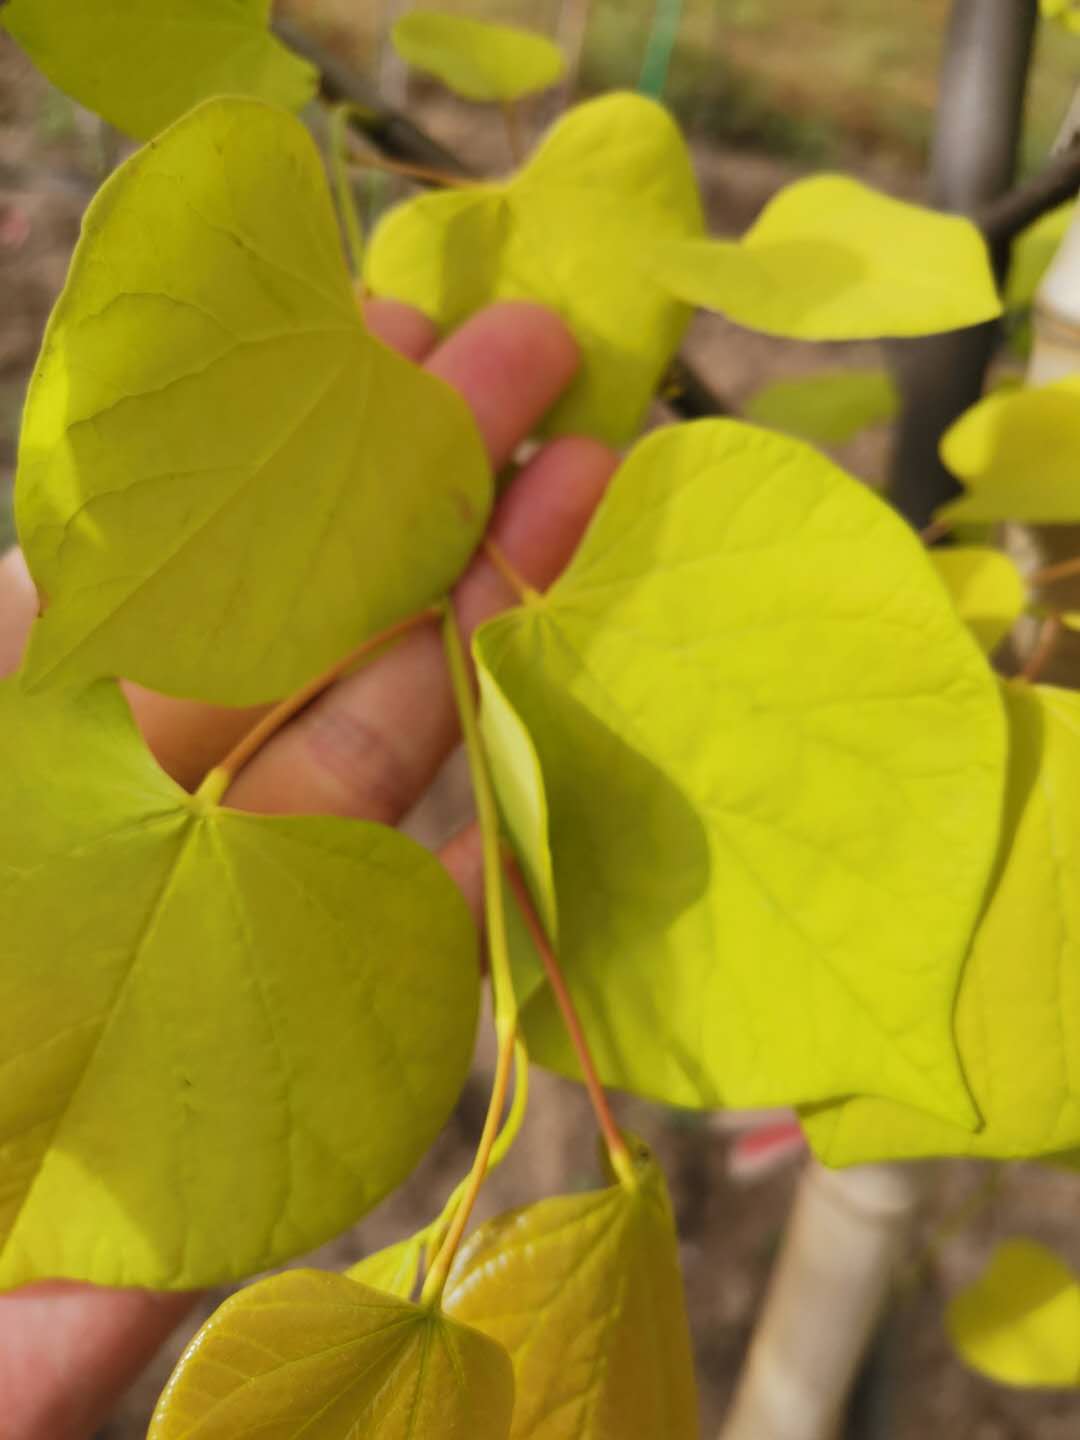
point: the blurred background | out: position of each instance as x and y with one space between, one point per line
767 90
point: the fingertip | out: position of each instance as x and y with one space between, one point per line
510 362
538 522
545 511
402 327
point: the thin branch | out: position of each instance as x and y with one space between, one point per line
439 1228
1049 635
517 582
1061 570
217 782
515 140
435 1282
346 200
487 812
442 179
393 133
1003 219
619 1155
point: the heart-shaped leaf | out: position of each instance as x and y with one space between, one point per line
223 1036
773 760
475 58
1020 1322
987 589
831 259
142 65
1018 1015
1017 453
313 1354
829 407
225 482
578 229
584 1291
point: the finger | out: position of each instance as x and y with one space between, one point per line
18 607
189 737
402 327
68 1351
510 362
537 525
370 747
463 860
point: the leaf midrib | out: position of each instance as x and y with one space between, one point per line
185 837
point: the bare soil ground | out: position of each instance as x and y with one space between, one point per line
51 158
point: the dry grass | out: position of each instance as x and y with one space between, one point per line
813 78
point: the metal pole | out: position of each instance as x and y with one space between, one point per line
972 162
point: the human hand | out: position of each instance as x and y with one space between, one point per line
367 749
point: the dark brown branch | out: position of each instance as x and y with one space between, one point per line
397 137
1003 219
686 394
388 130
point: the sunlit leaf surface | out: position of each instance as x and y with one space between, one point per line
223 1036
317 1355
986 587
225 482
577 228
141 65
829 407
584 1292
476 58
773 780
831 259
1017 453
1020 1322
1018 1016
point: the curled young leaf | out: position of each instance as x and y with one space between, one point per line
224 1036
318 1355
1018 1014
477 59
585 1294
1019 1323
225 482
830 407
577 228
986 587
773 779
831 259
519 785
1017 453
141 66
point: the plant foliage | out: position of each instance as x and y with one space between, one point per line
476 59
157 948
206 353
1020 1322
329 1358
785 836
611 179
722 731
142 66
